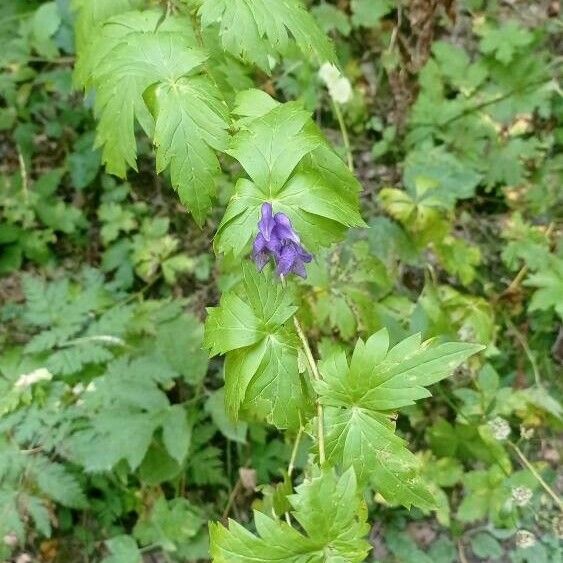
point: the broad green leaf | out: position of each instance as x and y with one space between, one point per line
123 550
139 61
367 13
190 124
337 539
215 406
252 327
549 284
258 30
176 433
291 166
359 396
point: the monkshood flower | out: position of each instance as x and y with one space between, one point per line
276 239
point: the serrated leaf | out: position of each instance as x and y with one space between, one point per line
549 284
256 30
54 480
261 372
292 167
338 538
190 123
359 395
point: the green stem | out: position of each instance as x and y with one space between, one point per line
291 465
345 138
535 473
522 341
317 376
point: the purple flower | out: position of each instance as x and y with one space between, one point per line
276 238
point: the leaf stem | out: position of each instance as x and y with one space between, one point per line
345 138
522 341
535 473
291 465
317 376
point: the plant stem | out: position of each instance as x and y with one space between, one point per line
24 177
522 341
345 138
291 465
317 376
535 473
515 283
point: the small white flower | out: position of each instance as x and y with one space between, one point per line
521 496
28 379
500 428
90 387
78 389
525 539
339 87
526 433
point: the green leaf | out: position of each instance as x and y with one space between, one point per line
255 30
261 374
504 42
486 546
549 281
123 550
331 18
367 13
179 342
176 433
359 396
215 406
54 480
292 167
190 123
338 538
170 524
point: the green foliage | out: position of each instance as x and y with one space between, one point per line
120 439
338 538
360 395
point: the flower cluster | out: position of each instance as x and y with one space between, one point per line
521 496
499 428
276 238
339 87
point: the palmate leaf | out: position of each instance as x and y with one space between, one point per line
290 165
190 123
549 284
359 396
328 509
261 375
256 30
147 69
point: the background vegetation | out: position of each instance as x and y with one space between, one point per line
114 441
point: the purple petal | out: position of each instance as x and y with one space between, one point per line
286 259
267 222
284 227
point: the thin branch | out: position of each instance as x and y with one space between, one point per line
345 138
535 473
23 172
317 376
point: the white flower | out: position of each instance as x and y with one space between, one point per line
339 87
91 387
28 379
500 428
526 433
525 539
522 496
78 389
